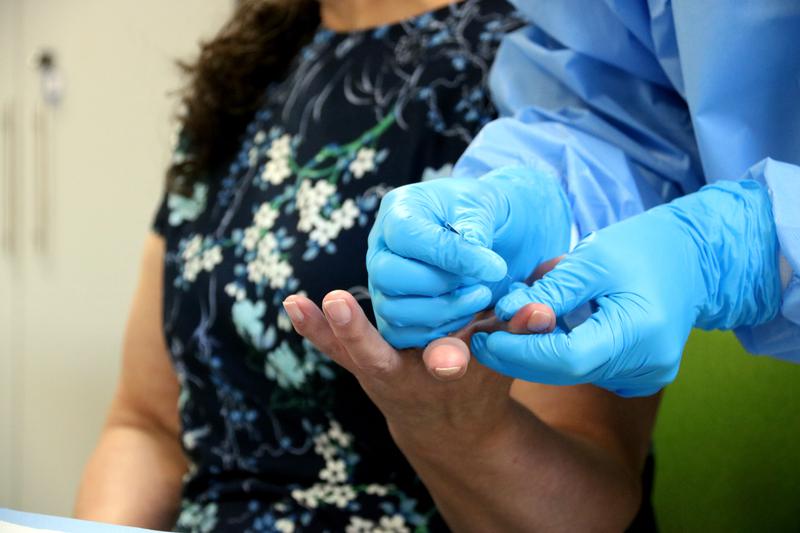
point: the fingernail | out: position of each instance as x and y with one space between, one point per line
448 371
338 311
294 312
538 322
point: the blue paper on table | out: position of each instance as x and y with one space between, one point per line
10 518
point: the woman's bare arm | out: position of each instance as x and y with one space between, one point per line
134 475
569 459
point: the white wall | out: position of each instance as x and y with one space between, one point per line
108 148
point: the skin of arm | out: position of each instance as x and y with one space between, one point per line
134 475
496 455
564 460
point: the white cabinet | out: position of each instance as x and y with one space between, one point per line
89 176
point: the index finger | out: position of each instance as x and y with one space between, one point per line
367 349
556 358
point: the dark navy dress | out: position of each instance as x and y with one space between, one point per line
278 437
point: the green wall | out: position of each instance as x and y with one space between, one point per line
728 442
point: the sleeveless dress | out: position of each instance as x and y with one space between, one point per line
278 437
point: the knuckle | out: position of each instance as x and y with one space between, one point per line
376 367
335 352
350 335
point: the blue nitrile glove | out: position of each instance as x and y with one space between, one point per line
708 259
441 251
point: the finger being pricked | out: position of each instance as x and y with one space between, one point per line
448 358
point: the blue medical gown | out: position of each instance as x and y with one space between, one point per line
633 103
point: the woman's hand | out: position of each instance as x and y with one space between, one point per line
424 395
489 462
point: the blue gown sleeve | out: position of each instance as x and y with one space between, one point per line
740 64
598 95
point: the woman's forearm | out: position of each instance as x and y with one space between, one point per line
525 476
133 478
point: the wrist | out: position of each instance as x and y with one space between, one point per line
732 226
451 440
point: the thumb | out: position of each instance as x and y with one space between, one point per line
572 283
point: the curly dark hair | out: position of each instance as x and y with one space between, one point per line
228 79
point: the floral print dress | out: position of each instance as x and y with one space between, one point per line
278 437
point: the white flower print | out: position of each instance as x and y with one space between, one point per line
196 258
251 237
332 489
323 233
345 217
324 447
260 137
271 268
394 524
339 436
191 269
281 148
309 497
277 168
193 258
311 200
284 525
278 274
377 490
334 472
363 163
267 264
266 216
276 171
212 257
235 291
192 247
359 525
339 495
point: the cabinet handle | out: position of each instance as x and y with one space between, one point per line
9 235
41 171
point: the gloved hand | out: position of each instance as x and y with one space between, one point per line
709 259
441 251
